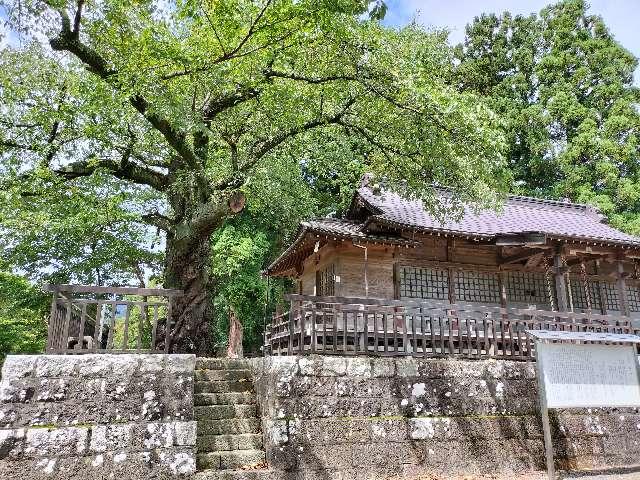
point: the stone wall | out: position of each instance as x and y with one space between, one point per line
359 418
97 416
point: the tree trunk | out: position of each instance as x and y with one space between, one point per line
234 349
192 315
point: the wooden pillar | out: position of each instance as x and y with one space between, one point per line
316 258
396 273
561 285
452 274
601 291
622 289
337 276
502 284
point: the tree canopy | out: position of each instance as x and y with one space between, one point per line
564 87
130 127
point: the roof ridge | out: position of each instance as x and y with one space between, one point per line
546 201
334 219
511 198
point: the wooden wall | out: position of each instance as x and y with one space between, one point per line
453 254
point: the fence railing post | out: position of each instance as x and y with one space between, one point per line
72 328
53 318
291 326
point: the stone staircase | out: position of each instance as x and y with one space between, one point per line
230 445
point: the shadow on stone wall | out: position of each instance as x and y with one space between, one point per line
335 417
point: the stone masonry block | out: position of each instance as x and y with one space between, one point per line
127 365
56 441
19 366
358 367
383 367
111 437
389 429
94 365
185 433
339 457
333 366
180 364
55 366
158 435
11 443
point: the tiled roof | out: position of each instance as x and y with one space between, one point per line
334 226
349 229
519 215
329 227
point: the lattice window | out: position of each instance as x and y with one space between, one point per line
579 295
633 295
612 298
527 287
476 286
427 283
326 282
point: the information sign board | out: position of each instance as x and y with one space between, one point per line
594 370
589 375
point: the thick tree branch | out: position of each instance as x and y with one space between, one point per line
269 73
156 219
68 41
369 137
262 147
216 106
125 170
207 218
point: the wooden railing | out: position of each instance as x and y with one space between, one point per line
88 319
356 326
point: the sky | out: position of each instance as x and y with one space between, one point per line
621 16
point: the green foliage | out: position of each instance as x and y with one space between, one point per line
243 247
23 311
135 120
85 231
564 86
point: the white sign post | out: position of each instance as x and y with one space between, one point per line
584 375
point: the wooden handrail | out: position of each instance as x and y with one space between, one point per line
72 329
382 327
145 292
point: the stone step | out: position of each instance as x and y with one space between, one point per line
231 460
222 363
229 398
218 443
217 412
258 474
224 386
217 375
231 426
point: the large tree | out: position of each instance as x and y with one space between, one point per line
564 86
189 107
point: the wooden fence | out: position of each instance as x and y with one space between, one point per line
356 326
88 319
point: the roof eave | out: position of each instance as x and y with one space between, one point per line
459 233
272 269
